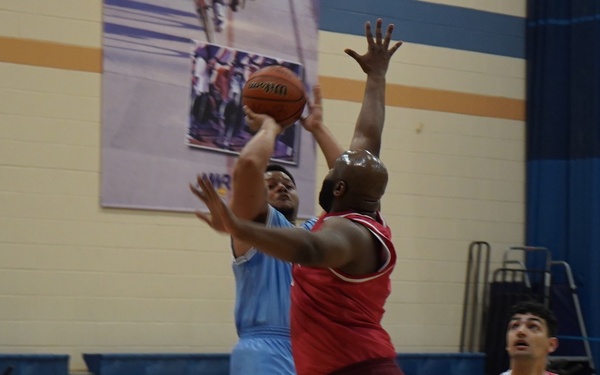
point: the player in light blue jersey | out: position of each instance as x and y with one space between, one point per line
266 193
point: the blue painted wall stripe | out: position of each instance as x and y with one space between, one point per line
563 21
430 24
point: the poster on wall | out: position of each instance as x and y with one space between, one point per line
171 88
216 115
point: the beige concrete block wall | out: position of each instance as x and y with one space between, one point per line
74 277
77 278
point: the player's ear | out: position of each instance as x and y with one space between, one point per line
339 188
552 344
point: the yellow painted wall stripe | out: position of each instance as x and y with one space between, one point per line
428 99
88 59
50 54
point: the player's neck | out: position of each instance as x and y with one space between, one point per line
528 368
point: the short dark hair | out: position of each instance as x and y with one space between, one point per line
279 168
539 310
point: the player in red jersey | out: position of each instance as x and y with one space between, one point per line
530 337
342 267
336 314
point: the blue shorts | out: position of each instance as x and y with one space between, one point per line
262 353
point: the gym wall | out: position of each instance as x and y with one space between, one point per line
76 278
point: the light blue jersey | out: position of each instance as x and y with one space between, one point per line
262 309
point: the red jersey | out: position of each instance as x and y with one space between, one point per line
335 317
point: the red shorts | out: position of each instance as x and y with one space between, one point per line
381 366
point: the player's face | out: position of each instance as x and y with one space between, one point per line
527 337
282 193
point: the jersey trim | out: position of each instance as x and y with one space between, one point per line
366 221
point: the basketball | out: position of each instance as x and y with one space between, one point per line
275 91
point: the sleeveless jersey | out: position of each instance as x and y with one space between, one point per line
263 284
336 318
262 310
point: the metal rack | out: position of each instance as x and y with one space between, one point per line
565 303
476 295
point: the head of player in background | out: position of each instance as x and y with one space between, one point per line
531 332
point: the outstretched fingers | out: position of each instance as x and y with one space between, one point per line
219 217
197 193
203 217
369 35
205 191
388 39
352 53
208 189
378 54
317 97
394 48
378 33
388 35
314 119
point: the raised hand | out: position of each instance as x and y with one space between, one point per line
376 60
221 218
314 124
315 118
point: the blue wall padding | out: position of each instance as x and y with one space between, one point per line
157 364
35 364
442 363
218 364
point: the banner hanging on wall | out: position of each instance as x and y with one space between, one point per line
171 90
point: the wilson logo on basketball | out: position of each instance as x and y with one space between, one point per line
269 88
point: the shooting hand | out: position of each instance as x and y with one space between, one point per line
256 121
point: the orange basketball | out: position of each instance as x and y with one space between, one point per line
275 91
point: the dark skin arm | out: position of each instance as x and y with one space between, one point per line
375 62
333 246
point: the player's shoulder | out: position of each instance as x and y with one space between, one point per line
308 224
376 222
